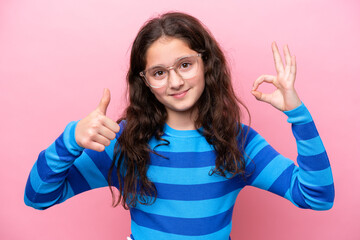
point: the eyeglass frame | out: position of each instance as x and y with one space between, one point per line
143 73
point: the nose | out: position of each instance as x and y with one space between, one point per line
174 80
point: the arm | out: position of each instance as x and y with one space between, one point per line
66 168
309 185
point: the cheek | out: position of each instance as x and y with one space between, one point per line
200 78
158 92
198 82
202 82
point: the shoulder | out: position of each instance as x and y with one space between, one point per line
247 134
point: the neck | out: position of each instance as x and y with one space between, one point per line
181 120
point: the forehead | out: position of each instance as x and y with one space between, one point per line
166 50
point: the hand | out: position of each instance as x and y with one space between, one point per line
284 97
96 130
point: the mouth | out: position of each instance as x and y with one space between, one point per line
179 94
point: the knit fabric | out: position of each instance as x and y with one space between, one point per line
191 203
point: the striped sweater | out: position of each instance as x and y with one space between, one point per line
191 204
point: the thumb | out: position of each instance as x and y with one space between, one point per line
104 102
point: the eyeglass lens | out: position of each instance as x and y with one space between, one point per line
185 67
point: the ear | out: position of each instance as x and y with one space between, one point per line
143 78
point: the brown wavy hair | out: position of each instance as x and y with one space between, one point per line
218 110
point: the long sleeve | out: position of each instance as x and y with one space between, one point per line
308 185
64 170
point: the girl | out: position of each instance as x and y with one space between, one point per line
180 155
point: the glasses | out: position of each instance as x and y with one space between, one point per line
186 67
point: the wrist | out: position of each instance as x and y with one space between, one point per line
299 115
70 138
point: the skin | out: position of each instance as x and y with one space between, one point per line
165 51
96 130
284 98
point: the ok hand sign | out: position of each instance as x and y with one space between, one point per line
284 97
96 130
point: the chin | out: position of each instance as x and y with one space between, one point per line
184 108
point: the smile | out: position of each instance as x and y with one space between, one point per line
179 94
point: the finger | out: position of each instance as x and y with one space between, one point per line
262 96
287 56
107 133
264 78
105 100
293 65
277 58
110 124
101 140
96 146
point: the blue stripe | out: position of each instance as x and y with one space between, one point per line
54 162
77 182
257 144
140 232
37 206
90 172
299 115
183 159
302 119
249 134
320 193
109 150
35 197
183 176
192 144
288 196
271 172
314 162
169 131
318 205
304 131
46 173
68 192
316 178
62 151
31 204
36 181
261 160
53 159
182 226
283 182
199 209
310 147
298 197
70 141
103 163
198 191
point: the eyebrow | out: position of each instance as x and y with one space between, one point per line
162 65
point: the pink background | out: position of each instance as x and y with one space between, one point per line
57 56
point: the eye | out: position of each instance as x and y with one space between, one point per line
158 73
185 65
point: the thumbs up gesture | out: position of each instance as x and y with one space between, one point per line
96 130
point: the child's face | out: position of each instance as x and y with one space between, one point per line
178 94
